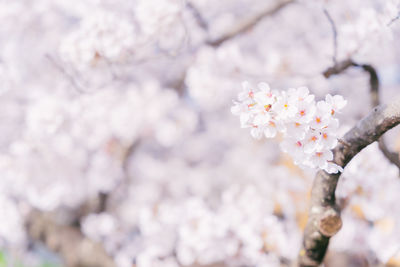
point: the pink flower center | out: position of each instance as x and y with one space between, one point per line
299 144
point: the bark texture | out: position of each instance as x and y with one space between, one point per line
324 215
374 85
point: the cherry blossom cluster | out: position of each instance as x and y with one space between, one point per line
199 232
309 128
123 99
103 37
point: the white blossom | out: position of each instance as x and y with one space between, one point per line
309 128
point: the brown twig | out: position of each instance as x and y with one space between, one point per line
373 82
374 93
324 216
375 101
338 68
334 31
197 15
247 24
68 240
393 157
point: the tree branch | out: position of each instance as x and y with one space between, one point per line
247 24
375 100
374 91
334 31
373 82
338 68
324 216
197 16
67 75
393 157
68 241
393 20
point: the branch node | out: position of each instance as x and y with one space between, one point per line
330 223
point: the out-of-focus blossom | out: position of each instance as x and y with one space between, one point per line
103 38
97 226
128 101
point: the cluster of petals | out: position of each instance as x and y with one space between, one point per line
103 37
309 128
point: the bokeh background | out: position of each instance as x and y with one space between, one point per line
118 147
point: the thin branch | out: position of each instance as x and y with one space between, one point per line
375 100
324 216
334 31
129 151
393 20
373 82
247 24
75 249
69 77
393 157
68 240
338 68
201 21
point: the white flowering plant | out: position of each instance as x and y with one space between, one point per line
309 128
115 128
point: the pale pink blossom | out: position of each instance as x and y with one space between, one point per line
309 128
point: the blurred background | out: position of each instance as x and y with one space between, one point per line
118 147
